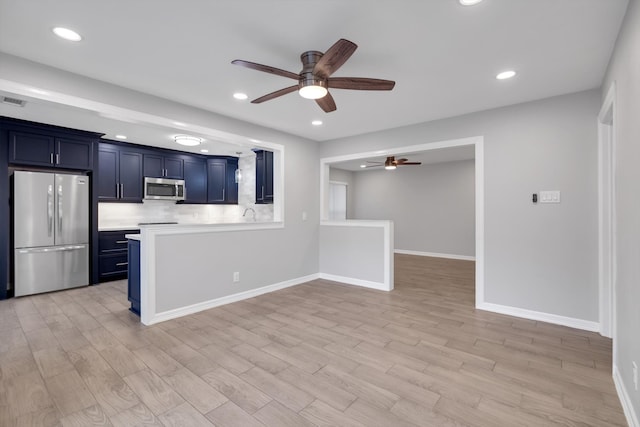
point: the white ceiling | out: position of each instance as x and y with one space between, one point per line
443 56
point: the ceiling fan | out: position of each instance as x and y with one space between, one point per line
391 163
315 78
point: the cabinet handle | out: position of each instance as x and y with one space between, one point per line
263 192
58 159
223 194
121 191
121 241
122 263
51 158
117 190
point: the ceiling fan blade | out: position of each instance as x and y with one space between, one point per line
408 163
401 160
266 69
334 57
360 83
275 94
327 103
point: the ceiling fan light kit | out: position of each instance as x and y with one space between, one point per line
314 81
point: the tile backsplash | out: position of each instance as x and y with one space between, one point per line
130 214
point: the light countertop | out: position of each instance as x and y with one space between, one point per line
132 236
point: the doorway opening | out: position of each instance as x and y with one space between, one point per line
477 146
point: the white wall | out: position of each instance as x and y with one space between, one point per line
624 70
541 258
341 175
357 252
432 205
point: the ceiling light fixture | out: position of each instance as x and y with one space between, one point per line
506 75
363 166
67 34
469 2
204 150
121 136
241 96
389 165
189 141
316 122
313 88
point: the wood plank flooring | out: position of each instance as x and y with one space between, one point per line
318 354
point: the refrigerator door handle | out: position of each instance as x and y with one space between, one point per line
50 210
60 208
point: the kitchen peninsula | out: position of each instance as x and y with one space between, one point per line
186 268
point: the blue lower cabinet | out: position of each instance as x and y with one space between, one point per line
134 276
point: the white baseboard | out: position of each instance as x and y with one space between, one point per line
435 254
625 399
357 282
191 309
540 316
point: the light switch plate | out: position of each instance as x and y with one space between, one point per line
549 197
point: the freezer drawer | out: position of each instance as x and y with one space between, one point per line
50 269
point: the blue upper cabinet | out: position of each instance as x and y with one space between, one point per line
162 166
38 149
119 174
264 176
195 180
221 180
216 180
231 196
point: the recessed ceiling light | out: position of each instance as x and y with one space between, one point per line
241 96
187 140
204 150
121 136
316 122
506 75
469 2
363 166
67 34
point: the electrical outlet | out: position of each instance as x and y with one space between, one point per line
635 375
236 276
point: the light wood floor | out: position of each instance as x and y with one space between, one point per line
320 354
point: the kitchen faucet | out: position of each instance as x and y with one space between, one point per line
252 210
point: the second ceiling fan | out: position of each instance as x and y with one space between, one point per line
391 163
315 79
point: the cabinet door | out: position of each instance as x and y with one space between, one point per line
195 181
268 177
216 177
173 168
31 149
260 176
108 172
133 282
153 166
231 193
74 154
131 180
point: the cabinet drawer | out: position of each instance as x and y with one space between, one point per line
113 265
113 241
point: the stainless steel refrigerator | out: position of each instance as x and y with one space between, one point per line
50 231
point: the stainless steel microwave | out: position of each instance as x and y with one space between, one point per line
163 189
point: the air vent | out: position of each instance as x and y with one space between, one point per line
13 101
